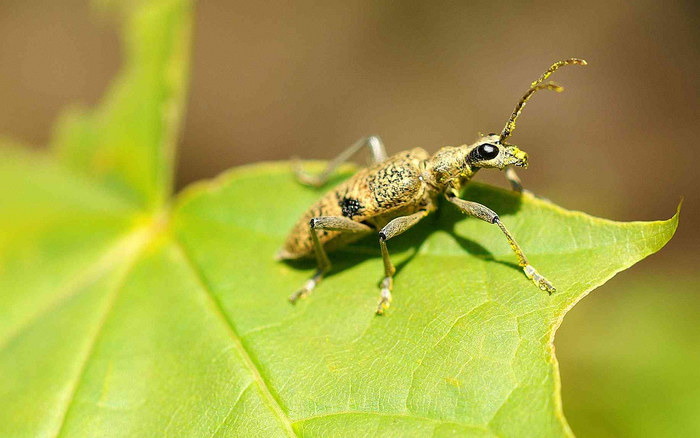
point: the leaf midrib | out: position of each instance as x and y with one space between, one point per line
127 243
136 252
273 402
144 236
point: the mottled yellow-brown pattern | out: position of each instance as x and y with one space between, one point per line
372 196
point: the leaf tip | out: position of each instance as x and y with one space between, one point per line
673 221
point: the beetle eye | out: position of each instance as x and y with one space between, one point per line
487 151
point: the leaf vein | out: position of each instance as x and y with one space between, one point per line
233 407
274 404
98 332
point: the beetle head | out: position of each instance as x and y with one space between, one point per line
490 152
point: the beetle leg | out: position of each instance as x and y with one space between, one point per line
330 223
376 148
486 214
515 183
514 180
393 228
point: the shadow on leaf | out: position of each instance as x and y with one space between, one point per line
405 247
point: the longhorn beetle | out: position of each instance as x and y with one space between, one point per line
396 192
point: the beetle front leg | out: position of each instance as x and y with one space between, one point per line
376 148
486 214
515 183
330 223
393 228
514 180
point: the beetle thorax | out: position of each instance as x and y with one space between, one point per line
449 165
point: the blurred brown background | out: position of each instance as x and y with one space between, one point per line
275 79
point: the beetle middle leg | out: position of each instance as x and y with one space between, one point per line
329 223
376 148
393 228
486 214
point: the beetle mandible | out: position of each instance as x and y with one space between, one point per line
397 192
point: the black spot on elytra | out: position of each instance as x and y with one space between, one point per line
351 207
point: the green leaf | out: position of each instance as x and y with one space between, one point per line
467 344
122 317
191 330
640 345
127 144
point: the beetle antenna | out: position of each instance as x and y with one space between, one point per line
537 85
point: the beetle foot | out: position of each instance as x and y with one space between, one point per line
303 292
304 177
385 300
539 280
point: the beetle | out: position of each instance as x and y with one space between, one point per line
396 192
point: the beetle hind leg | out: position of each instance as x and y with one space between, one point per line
376 149
330 223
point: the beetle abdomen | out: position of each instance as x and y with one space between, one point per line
371 196
333 203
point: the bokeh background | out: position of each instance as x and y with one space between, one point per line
276 79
